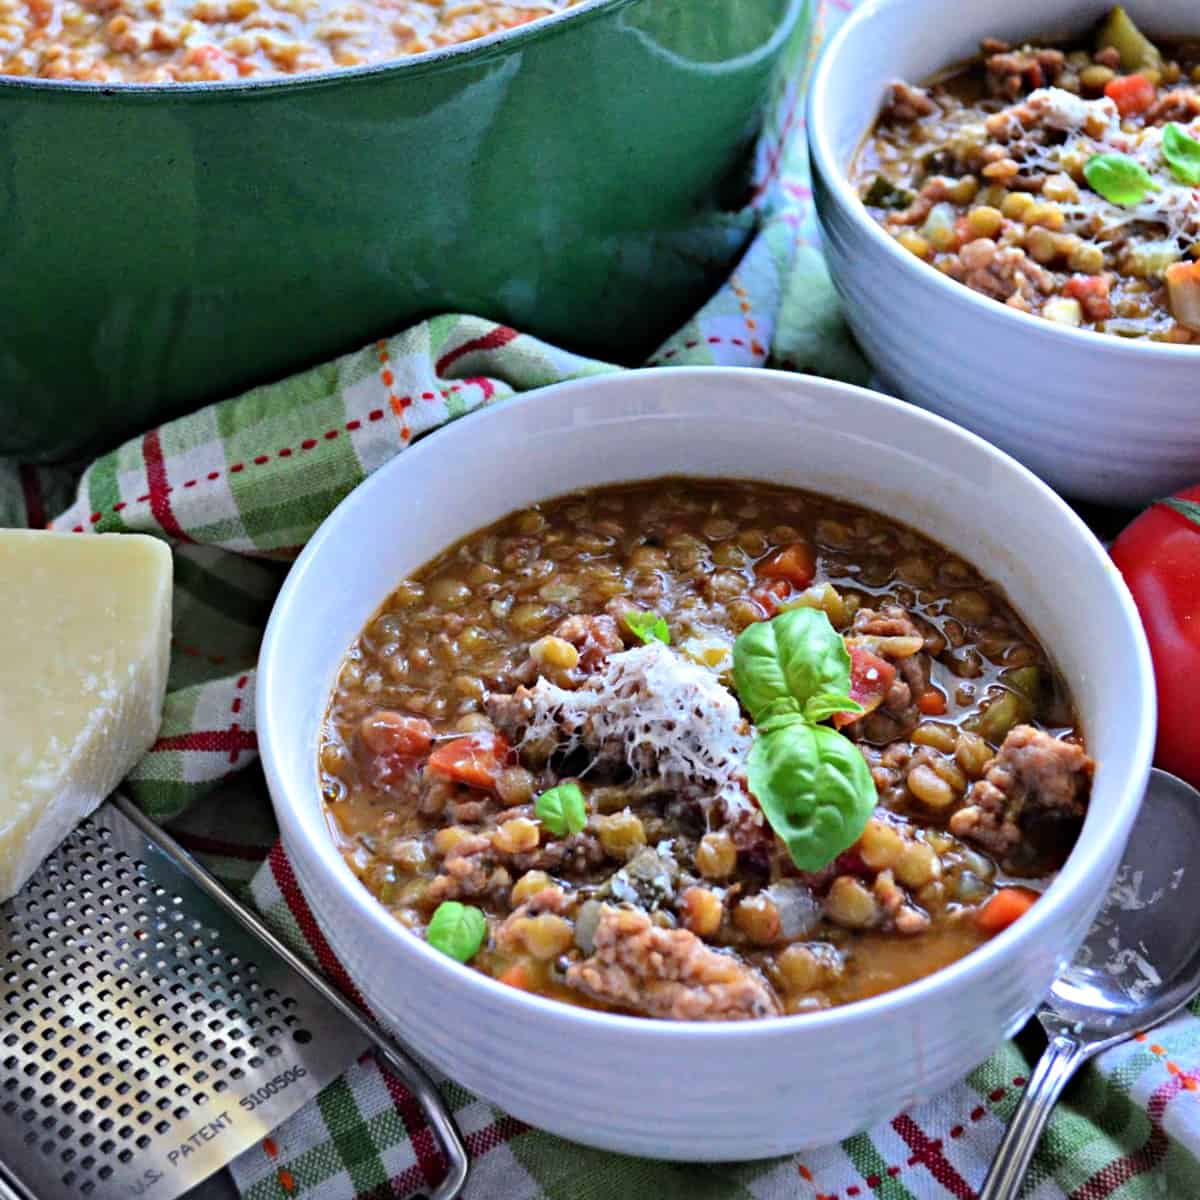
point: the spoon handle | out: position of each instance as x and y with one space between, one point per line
1062 1058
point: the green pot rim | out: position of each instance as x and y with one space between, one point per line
494 45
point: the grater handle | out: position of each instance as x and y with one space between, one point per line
401 1064
11 1188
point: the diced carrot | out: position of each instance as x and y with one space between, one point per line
1183 293
1004 907
932 703
1132 94
870 679
795 563
516 976
475 760
390 732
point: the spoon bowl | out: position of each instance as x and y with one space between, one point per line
1141 958
1139 963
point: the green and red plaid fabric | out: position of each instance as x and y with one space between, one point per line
238 487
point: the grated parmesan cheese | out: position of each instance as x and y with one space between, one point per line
1094 127
659 714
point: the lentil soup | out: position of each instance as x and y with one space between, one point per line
185 41
1059 178
692 749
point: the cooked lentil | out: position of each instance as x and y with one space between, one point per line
186 41
981 173
666 904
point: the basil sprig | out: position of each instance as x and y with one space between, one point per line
779 665
457 930
1119 178
812 783
1182 153
648 626
562 809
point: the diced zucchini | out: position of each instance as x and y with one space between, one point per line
825 597
938 229
1063 310
1000 715
1026 681
1150 260
1137 51
883 193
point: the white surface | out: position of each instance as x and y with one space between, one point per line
1099 417
693 1091
86 626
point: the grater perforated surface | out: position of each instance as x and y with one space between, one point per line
145 1038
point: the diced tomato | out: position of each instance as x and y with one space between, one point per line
932 703
769 596
850 862
870 679
1132 94
794 563
1092 293
475 760
395 733
1005 907
217 62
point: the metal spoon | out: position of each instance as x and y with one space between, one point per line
1140 962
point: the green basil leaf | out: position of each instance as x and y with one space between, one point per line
1182 153
562 809
815 789
823 706
1186 508
457 930
648 626
1118 178
778 665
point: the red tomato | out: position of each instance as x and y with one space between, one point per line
1092 292
476 759
388 732
770 596
1159 555
870 678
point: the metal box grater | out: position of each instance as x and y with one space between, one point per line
150 1029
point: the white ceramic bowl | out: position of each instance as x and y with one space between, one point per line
1098 417
701 1091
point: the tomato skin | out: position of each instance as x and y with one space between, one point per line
1158 553
870 679
475 759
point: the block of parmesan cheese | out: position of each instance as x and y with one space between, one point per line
85 627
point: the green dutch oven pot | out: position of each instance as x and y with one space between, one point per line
579 178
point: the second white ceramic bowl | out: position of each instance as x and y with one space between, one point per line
702 1091
1099 417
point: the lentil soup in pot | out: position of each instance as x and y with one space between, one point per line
1061 178
702 750
191 41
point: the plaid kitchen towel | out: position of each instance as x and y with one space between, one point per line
238 487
